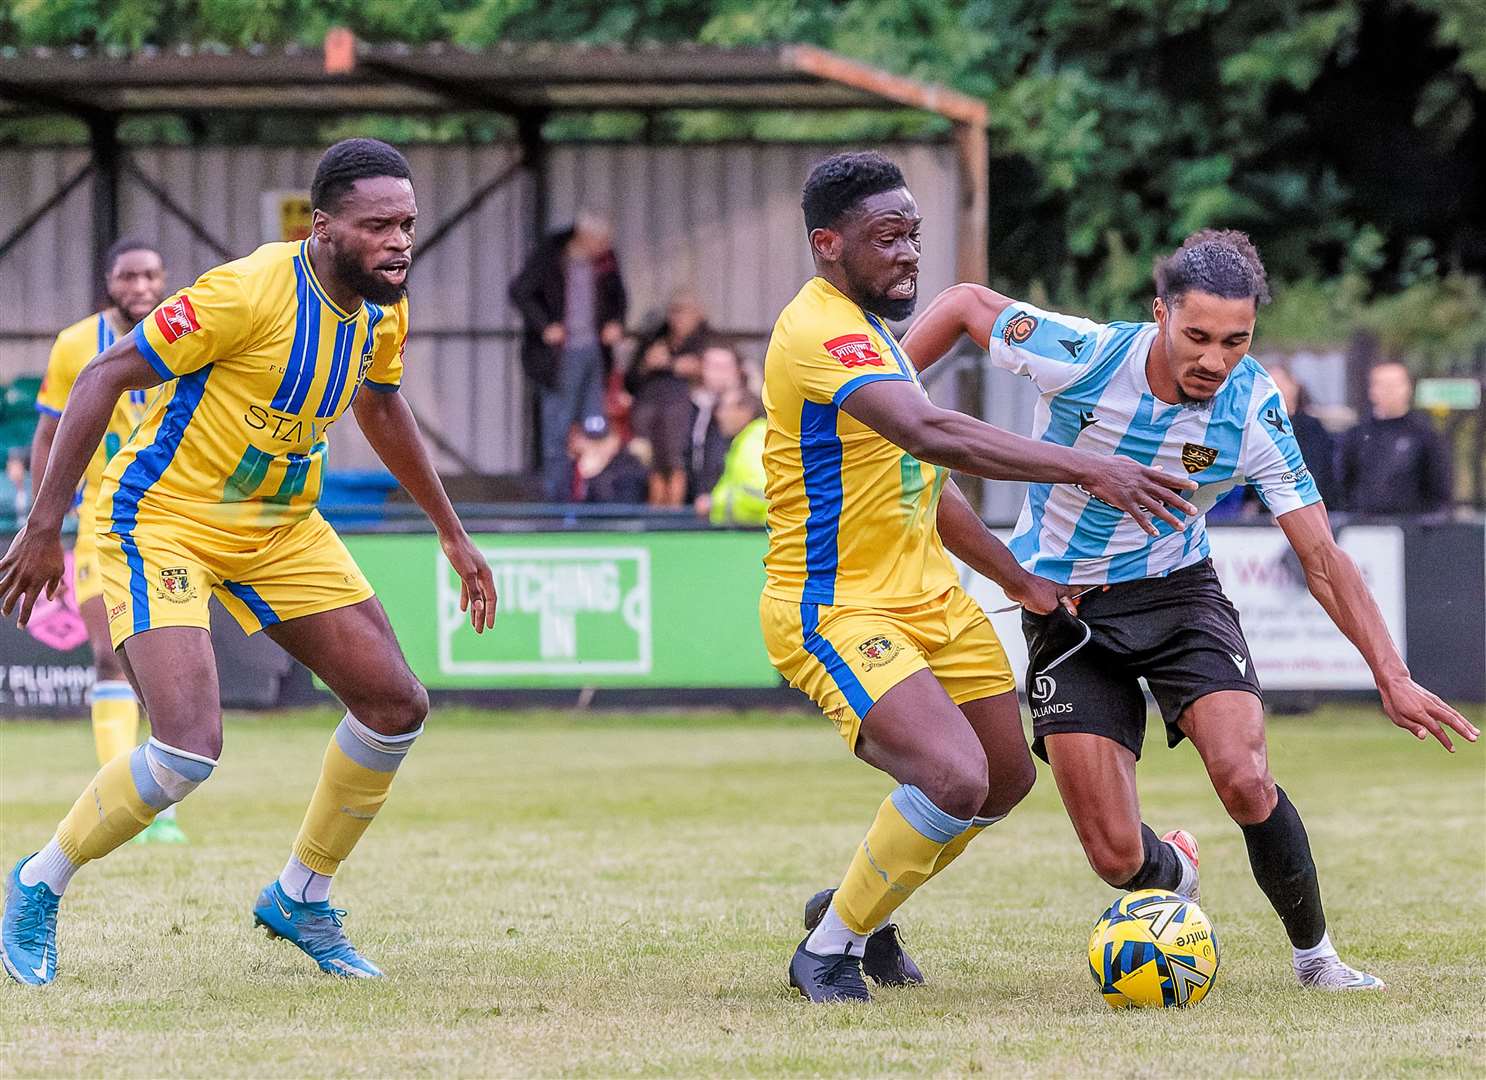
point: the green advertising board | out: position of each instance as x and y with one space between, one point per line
668 609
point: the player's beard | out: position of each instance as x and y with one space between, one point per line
364 283
131 317
891 308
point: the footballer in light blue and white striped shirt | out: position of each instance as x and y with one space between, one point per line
1181 394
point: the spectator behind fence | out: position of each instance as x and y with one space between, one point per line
667 363
1395 462
1316 443
721 372
572 303
738 498
609 471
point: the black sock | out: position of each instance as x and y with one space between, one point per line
1161 869
1280 854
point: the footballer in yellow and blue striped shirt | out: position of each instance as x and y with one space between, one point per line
214 493
134 281
862 608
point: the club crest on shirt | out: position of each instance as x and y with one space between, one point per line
877 651
1019 329
176 319
1196 457
175 585
854 350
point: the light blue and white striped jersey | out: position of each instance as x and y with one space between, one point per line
1095 396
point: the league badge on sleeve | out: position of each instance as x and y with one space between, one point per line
176 319
1019 330
854 351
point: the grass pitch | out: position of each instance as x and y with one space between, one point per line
613 894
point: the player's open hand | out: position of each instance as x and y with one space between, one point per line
1420 711
1140 491
476 583
33 565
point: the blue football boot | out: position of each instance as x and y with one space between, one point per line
28 932
884 961
316 929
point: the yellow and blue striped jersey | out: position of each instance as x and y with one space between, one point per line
72 350
852 517
259 362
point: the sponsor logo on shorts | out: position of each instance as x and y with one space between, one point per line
878 651
175 585
1196 457
176 319
1049 710
1019 329
1044 687
854 351
117 610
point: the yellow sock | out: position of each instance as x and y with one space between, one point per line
901 851
116 806
115 719
109 812
355 777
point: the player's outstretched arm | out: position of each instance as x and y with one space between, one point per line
960 309
33 564
1337 584
392 430
898 411
966 536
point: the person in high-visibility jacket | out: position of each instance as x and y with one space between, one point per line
738 498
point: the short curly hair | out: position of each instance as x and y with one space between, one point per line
1223 262
839 183
351 160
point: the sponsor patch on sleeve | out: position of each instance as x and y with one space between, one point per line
1019 329
176 319
854 351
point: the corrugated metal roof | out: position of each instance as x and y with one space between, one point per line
357 76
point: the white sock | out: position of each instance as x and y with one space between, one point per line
832 936
303 884
1316 951
168 813
1189 872
48 865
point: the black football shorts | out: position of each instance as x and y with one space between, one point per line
1179 633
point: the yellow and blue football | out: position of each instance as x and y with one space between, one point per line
1154 950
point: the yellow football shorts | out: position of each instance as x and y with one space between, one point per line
846 658
166 569
86 580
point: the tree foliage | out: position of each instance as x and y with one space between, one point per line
1346 135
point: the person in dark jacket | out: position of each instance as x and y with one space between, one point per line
572 304
1317 446
666 365
1396 462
